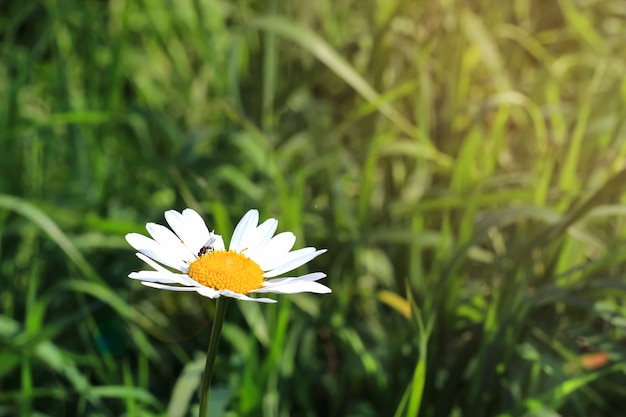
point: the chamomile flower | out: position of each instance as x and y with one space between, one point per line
251 263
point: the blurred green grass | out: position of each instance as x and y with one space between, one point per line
463 162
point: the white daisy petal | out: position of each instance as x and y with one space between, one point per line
208 292
227 293
297 287
177 223
155 251
164 277
262 234
185 232
194 219
272 255
150 262
165 280
313 276
241 235
165 237
192 230
199 232
219 243
293 264
267 262
167 287
281 243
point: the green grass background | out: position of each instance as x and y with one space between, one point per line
462 161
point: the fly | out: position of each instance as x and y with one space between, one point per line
208 246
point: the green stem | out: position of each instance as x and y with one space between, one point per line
216 332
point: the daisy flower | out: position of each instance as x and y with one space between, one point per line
206 267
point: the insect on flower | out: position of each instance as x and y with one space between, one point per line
188 257
208 246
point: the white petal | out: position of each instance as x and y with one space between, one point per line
163 277
155 251
293 263
262 235
241 235
197 229
150 262
154 276
219 243
297 287
313 276
208 292
167 287
272 261
227 293
176 222
184 231
272 255
165 237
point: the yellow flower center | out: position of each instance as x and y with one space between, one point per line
225 270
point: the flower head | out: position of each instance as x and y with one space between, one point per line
205 266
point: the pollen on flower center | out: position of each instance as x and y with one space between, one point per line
226 270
